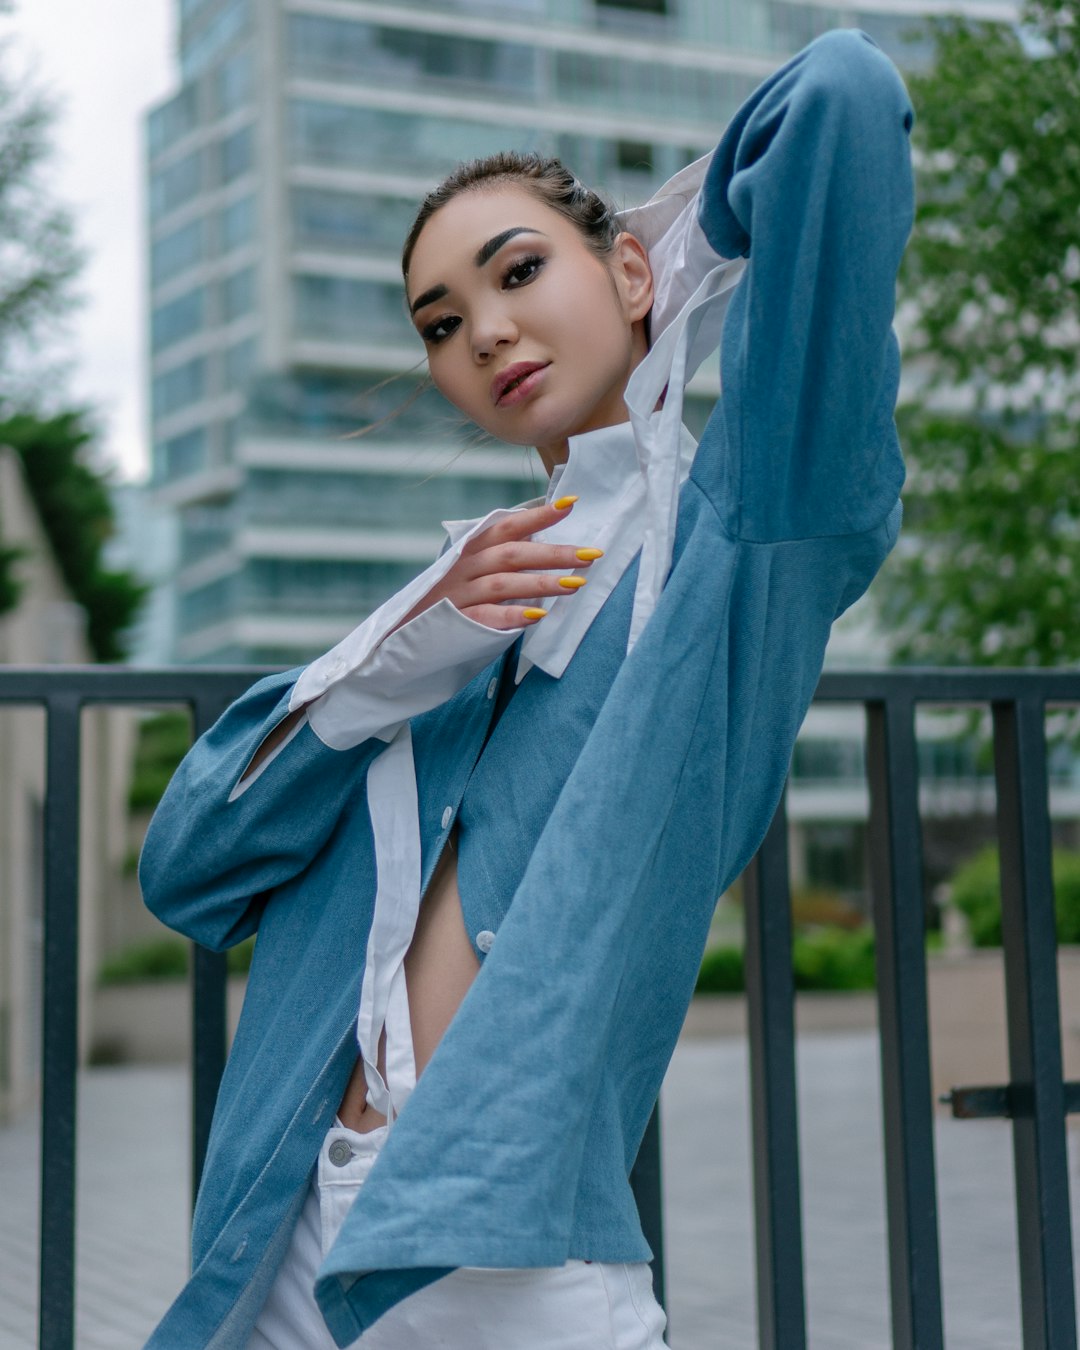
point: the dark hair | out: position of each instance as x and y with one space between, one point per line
549 181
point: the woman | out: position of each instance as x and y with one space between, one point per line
567 737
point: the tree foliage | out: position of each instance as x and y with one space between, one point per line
990 292
73 502
38 256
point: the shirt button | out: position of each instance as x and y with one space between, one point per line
335 668
484 939
339 1153
493 684
447 816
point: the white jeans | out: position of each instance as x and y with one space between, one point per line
583 1305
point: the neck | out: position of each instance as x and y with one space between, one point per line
557 452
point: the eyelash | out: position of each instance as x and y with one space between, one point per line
430 332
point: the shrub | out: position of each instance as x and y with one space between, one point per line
162 742
721 972
823 958
834 958
976 893
165 958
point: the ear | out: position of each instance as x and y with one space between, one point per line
633 275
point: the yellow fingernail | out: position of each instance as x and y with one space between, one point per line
533 614
588 554
571 583
564 503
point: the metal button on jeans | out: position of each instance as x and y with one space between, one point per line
484 939
447 816
492 686
339 1153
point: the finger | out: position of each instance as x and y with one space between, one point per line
508 587
504 617
521 524
524 555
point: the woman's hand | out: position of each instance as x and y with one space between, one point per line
502 563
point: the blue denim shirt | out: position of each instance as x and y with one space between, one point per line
608 809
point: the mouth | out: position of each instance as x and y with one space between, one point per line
516 381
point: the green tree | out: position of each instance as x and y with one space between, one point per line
73 501
988 569
38 257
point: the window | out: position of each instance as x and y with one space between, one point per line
235 155
239 364
323 586
173 120
176 389
350 221
637 6
238 295
237 224
328 133
177 320
181 456
341 309
171 187
634 156
175 252
346 49
387 501
202 49
209 604
205 528
232 83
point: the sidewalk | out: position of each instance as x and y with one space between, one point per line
133 1189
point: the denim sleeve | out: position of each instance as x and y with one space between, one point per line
211 852
812 184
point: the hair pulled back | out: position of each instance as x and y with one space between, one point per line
549 181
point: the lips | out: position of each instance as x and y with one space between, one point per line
512 377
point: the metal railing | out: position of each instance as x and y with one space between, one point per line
1036 1098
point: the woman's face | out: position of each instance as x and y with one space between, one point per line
527 331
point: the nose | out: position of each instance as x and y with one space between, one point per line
492 328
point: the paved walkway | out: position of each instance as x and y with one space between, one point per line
133 1184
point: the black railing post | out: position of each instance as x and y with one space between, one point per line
903 1023
1048 1307
770 998
60 1025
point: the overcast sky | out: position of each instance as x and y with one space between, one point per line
104 62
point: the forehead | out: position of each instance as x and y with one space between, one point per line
454 234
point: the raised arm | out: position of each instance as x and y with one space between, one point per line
812 183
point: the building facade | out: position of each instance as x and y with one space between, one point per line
283 176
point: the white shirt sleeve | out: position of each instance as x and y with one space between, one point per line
369 685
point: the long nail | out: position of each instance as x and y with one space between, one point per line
564 503
572 583
588 554
533 614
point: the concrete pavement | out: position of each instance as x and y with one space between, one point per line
133 1187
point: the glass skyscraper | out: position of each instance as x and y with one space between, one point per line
283 176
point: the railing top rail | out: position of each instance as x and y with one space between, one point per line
181 684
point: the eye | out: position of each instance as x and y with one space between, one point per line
523 271
440 329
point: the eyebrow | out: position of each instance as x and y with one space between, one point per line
492 246
484 254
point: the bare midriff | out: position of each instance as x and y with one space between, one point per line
440 965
